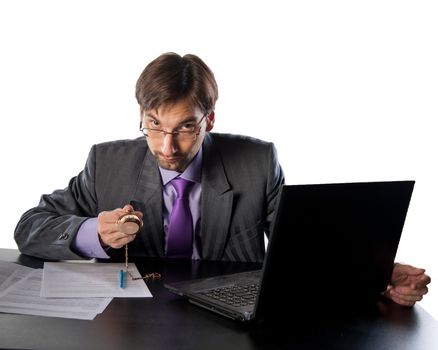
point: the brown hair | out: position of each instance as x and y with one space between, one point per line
171 78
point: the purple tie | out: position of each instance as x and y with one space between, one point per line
180 231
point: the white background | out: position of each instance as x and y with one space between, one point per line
347 90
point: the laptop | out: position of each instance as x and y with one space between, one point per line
332 247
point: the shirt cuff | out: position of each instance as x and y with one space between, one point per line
87 241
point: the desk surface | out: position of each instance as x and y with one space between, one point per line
167 321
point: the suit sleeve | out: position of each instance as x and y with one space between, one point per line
275 180
48 230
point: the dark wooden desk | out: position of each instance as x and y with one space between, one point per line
167 321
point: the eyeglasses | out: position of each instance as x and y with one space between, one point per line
185 133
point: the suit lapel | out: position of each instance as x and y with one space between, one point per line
216 203
148 198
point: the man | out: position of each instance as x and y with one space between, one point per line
201 195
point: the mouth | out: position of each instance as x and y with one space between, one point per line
170 160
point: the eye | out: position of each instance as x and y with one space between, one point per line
153 123
187 127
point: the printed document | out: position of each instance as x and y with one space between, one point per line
11 273
78 280
24 298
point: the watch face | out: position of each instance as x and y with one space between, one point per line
129 224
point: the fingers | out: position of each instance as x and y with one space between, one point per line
408 291
413 282
407 269
108 228
402 301
421 282
119 240
405 296
128 208
409 276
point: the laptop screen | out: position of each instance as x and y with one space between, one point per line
334 243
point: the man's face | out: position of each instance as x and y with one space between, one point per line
172 151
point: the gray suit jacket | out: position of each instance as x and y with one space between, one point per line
241 179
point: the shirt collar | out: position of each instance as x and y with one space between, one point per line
192 172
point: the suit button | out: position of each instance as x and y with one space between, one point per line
64 236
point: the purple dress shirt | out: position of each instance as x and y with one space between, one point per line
87 241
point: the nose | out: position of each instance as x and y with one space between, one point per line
168 147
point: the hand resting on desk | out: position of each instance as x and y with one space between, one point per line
408 284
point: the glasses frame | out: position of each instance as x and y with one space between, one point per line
175 134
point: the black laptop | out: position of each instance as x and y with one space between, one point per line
335 244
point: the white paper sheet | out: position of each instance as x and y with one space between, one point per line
11 273
67 280
24 298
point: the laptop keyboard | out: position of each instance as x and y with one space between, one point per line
235 295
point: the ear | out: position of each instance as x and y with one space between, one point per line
141 111
210 121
